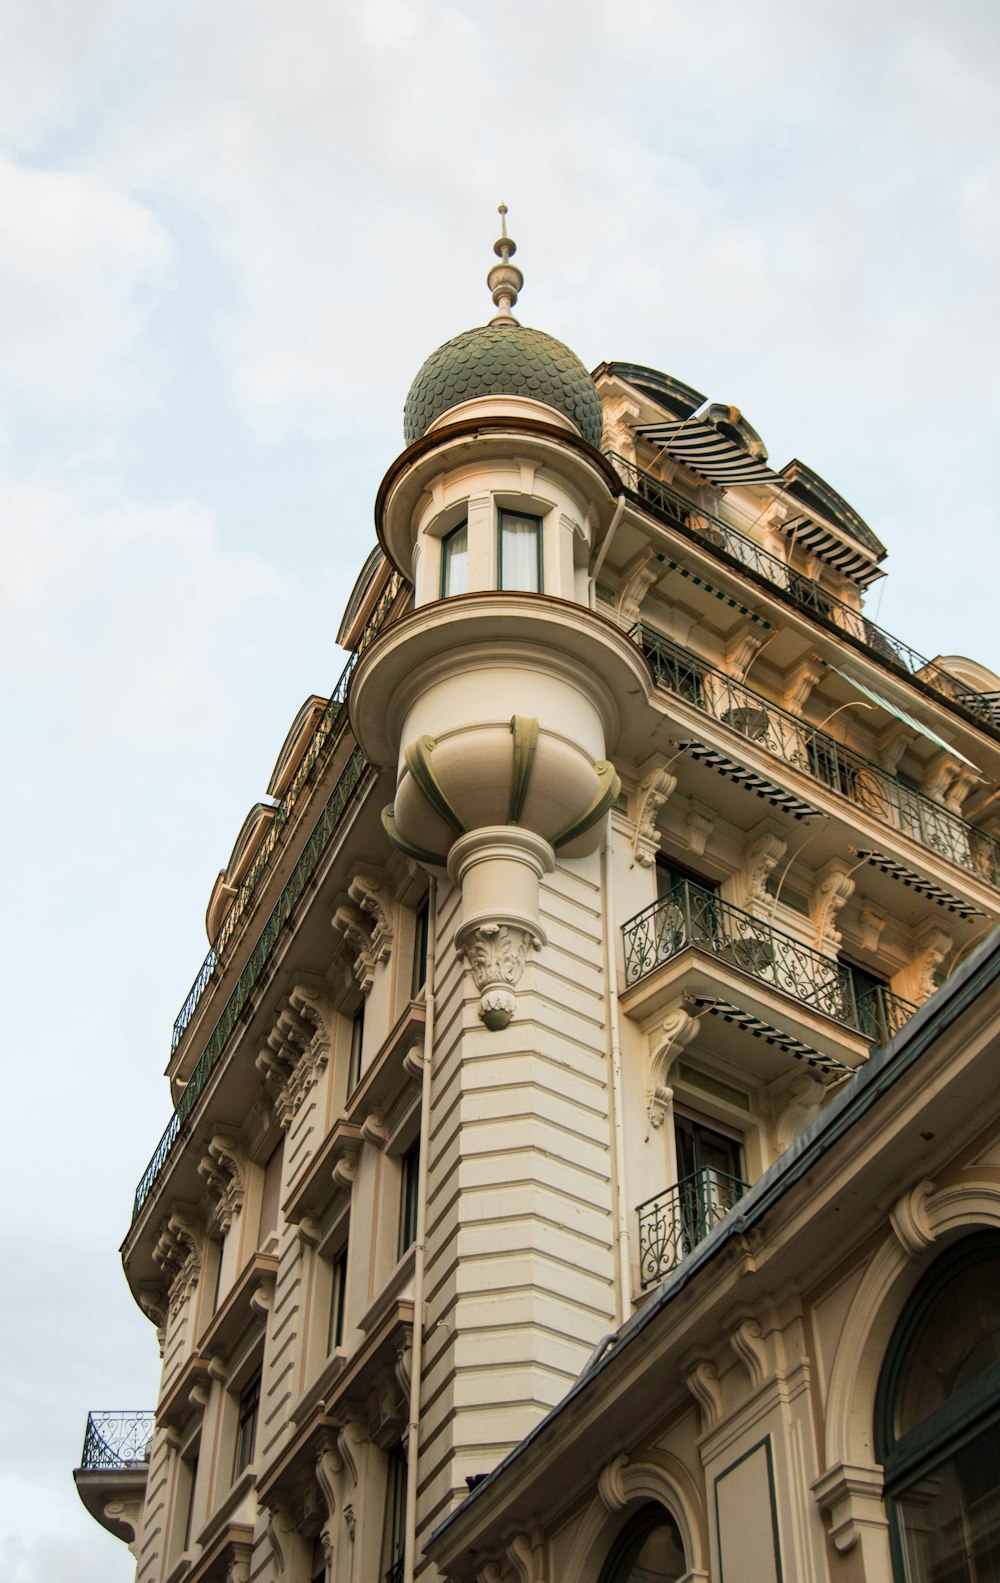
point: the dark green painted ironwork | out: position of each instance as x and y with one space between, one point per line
674 1222
984 708
118 1439
795 741
693 916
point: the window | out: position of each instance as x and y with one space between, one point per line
394 1530
649 1549
338 1295
710 1179
191 1474
455 561
357 1038
870 1001
691 914
246 1428
520 553
420 949
937 1421
408 1199
270 1195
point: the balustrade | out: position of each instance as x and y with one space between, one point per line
117 1439
673 1222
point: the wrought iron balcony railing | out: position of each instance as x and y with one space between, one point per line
674 1222
327 733
117 1440
983 707
329 822
808 748
694 916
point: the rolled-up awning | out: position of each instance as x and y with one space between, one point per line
917 882
771 1035
751 780
907 719
815 539
701 447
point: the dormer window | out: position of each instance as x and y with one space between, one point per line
455 561
520 553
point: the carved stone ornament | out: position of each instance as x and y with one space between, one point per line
350 1520
700 823
349 922
676 1031
760 859
297 1049
611 1485
799 683
872 924
178 1253
742 649
703 1383
222 1167
371 898
909 1218
653 791
932 947
832 890
640 575
496 954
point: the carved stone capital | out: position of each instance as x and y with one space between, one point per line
850 1496
495 953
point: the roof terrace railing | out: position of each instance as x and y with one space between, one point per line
330 820
117 1440
983 707
794 740
691 915
329 729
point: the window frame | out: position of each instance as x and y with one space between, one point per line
646 1520
338 1300
446 540
247 1424
409 1191
356 1047
421 932
524 516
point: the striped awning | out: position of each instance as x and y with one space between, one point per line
720 593
908 719
816 539
751 780
771 1035
701 447
917 882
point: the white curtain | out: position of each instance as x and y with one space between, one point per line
519 553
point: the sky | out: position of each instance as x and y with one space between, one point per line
229 235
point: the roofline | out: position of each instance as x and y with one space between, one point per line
884 1068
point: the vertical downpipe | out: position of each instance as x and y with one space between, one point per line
417 1349
623 1273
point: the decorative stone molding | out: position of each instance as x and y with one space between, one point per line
495 953
702 1380
296 1051
345 1169
350 1438
795 1105
760 859
620 414
350 1522
178 1253
850 1497
639 576
742 649
948 781
799 683
910 1220
348 921
374 1129
153 1304
675 1033
611 1485
655 787
369 895
872 925
280 1530
222 1166
526 1553
832 890
917 982
747 1341
126 1515
700 822
489 1572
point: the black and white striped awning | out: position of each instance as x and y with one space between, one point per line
751 780
917 882
815 539
701 447
771 1035
720 593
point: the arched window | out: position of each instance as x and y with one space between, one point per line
649 1549
937 1421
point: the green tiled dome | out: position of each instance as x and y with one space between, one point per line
503 360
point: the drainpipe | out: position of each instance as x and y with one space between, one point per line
417 1348
623 1273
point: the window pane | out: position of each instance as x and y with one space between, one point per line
335 1338
949 1520
420 949
357 1035
655 1556
455 562
519 552
957 1341
246 1432
408 1202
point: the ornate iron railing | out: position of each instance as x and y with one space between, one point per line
117 1439
674 1222
983 707
329 729
329 821
694 916
794 740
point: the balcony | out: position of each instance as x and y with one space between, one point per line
117 1440
114 1467
326 735
692 916
674 1222
813 751
694 521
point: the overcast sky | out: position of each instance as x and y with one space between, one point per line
229 235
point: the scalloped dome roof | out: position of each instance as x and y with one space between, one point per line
503 360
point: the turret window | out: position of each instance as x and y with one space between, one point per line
520 553
455 561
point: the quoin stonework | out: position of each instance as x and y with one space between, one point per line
585 1156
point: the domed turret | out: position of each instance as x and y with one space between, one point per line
503 358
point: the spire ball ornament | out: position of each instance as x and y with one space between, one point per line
504 279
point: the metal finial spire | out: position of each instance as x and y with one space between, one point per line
504 279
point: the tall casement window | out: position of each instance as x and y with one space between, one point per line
455 561
357 1037
650 1548
246 1426
338 1301
520 553
394 1528
420 949
689 913
937 1421
408 1197
710 1178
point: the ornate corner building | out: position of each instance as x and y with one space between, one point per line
585 1154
